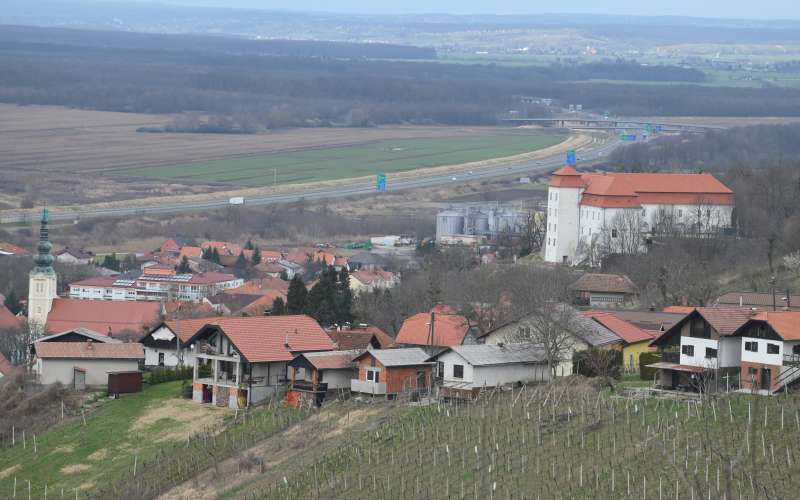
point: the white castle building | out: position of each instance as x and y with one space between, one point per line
593 214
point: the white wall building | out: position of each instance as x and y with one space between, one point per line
591 214
89 361
42 281
471 367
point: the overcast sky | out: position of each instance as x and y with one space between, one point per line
755 9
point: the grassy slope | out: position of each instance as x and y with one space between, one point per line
353 161
72 445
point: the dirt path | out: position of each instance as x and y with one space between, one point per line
277 456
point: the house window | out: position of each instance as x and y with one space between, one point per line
751 346
796 349
680 213
752 371
773 349
458 371
687 350
373 376
711 353
161 359
439 369
613 233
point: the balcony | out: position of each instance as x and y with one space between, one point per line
306 386
791 360
671 357
367 387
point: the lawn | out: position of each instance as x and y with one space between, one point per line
73 455
327 163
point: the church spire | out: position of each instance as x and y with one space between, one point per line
44 260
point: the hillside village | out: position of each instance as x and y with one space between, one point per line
249 329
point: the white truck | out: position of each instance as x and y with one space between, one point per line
236 200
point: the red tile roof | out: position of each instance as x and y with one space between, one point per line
210 278
264 338
88 350
626 190
261 287
725 320
334 360
359 338
628 332
785 323
678 309
223 247
188 327
297 256
608 283
12 249
271 255
191 252
449 329
5 366
100 315
8 320
169 246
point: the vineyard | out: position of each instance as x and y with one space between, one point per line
562 441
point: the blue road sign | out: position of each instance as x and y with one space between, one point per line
381 183
571 158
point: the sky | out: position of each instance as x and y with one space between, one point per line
745 9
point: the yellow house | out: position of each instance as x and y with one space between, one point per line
634 339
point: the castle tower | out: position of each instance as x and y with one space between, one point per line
563 215
42 281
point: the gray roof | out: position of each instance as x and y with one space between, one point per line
592 332
400 357
486 354
85 332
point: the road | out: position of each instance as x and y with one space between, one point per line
512 168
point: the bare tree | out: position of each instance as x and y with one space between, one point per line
552 327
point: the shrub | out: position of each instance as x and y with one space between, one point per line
647 358
597 363
162 374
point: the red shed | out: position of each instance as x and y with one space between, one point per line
393 371
124 382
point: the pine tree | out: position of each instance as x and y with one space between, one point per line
241 261
215 255
297 296
208 254
111 262
183 267
278 307
248 245
12 302
344 298
256 258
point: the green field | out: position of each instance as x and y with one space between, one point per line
352 161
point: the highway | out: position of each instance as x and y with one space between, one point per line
512 168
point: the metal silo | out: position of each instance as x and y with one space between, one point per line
448 223
481 223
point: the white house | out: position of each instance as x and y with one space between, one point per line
88 362
770 350
468 368
244 360
590 214
165 345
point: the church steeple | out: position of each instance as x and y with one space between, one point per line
43 282
44 260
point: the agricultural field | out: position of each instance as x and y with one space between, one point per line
341 162
563 441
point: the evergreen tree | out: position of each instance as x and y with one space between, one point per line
256 258
249 245
183 267
12 302
208 254
241 261
284 275
215 255
344 298
111 262
297 296
278 307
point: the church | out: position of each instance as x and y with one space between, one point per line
48 313
590 215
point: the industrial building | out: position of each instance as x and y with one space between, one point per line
464 222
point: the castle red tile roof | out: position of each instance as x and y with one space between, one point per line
629 190
449 329
88 350
273 338
628 332
102 315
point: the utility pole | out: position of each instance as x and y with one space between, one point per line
774 304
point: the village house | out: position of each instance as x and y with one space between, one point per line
166 344
368 261
154 283
8 249
583 333
313 374
360 337
81 364
370 280
604 290
391 372
635 340
700 346
770 350
242 304
240 361
763 301
290 268
71 256
442 327
465 370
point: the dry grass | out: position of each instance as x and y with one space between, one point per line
192 417
75 469
8 472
